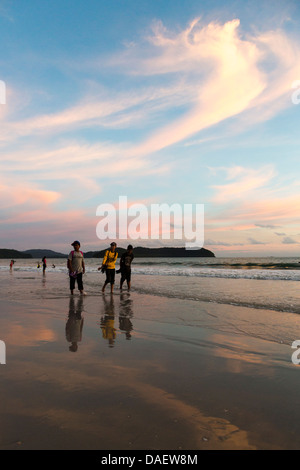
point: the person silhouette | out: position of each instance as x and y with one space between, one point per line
125 315
74 323
107 322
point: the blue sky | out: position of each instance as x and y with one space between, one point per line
162 101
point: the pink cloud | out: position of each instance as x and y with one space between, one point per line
246 182
227 72
16 194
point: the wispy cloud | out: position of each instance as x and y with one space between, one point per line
245 182
24 195
289 241
210 70
230 74
252 241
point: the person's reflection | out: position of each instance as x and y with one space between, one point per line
125 315
44 279
107 322
74 323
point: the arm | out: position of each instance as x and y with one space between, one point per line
104 260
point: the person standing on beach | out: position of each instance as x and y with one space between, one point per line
109 266
44 261
76 267
125 266
11 264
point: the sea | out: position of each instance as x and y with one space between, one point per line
265 282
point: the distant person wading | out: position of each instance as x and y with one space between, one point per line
44 261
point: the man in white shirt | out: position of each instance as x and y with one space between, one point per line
76 267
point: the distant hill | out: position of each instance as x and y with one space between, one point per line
13 254
139 252
164 252
39 254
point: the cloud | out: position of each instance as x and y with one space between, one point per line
252 241
210 242
229 73
247 181
252 200
97 109
25 195
271 226
288 241
207 74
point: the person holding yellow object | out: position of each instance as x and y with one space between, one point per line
109 266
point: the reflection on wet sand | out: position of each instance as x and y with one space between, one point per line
74 323
125 315
189 366
107 322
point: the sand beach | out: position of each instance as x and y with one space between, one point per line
142 371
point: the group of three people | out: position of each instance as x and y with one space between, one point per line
76 266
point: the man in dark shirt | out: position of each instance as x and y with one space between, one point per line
125 266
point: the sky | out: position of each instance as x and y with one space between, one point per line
162 101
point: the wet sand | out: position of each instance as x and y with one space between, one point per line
143 372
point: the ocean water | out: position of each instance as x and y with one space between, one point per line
264 283
270 268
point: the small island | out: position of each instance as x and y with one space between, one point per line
164 252
139 252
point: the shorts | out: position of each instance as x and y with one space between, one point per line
79 282
126 275
110 276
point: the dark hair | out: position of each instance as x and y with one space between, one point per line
130 247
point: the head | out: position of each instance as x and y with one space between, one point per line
76 245
113 246
130 248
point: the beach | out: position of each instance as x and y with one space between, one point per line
179 368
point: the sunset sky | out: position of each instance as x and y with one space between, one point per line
163 101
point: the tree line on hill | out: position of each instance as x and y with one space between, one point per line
139 252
